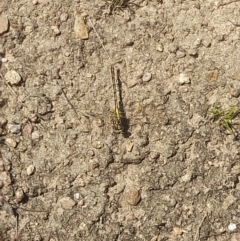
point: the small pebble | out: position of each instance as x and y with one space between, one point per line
197 5
133 197
177 231
4 60
30 170
10 142
154 155
159 47
98 122
212 75
14 128
56 30
232 226
1 184
183 79
33 117
53 239
91 153
206 43
97 144
19 194
81 203
27 130
63 17
37 237
94 163
76 196
235 92
35 2
80 28
180 54
221 38
13 77
36 135
172 48
66 203
187 177
25 189
129 145
4 23
192 52
147 77
197 43
5 178
229 200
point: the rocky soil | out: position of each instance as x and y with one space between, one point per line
66 173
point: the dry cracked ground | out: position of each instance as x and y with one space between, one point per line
65 171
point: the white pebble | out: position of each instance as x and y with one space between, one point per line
154 155
197 43
13 77
187 177
19 195
183 79
63 17
129 145
14 128
30 170
55 30
76 196
36 135
180 54
159 47
147 77
4 60
232 226
10 142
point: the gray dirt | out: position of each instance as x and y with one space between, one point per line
65 172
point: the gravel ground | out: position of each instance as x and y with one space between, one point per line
66 173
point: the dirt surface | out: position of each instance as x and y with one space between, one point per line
66 174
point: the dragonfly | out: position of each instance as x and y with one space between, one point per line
120 121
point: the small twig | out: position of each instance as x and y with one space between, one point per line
235 24
223 4
200 225
18 232
16 228
100 40
70 104
9 86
